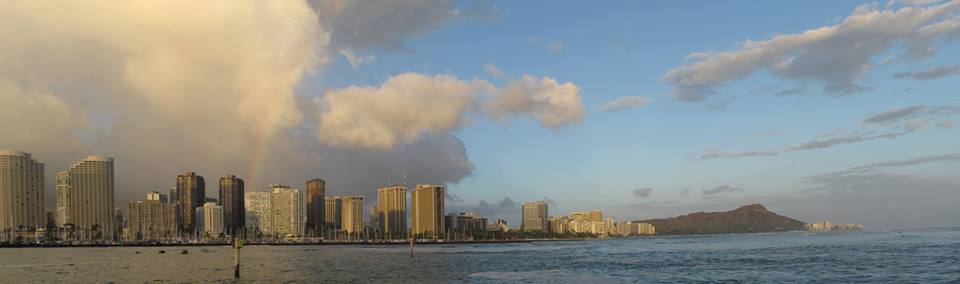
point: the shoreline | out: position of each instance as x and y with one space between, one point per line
321 243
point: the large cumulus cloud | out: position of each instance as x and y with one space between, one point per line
211 87
409 105
163 88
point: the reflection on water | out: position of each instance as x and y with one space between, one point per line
909 256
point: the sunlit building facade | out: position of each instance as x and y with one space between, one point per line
21 194
213 217
352 213
428 208
258 212
289 213
534 216
88 205
392 211
559 224
332 212
153 219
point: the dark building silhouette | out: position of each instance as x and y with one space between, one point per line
193 193
231 199
316 192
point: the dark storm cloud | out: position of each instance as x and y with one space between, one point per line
721 189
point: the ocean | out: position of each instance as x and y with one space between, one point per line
916 256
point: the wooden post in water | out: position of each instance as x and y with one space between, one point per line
237 244
411 246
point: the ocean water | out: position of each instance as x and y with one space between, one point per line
915 256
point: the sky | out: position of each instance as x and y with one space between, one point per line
828 110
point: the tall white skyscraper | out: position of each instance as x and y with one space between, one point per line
289 211
88 192
281 211
258 212
352 214
21 193
212 219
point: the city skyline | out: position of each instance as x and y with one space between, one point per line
840 110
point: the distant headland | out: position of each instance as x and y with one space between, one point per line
752 218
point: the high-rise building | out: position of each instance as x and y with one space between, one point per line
151 220
87 189
174 196
595 216
157 196
259 215
374 218
590 222
559 224
21 193
51 216
352 213
535 216
213 217
192 194
392 211
316 193
198 223
332 208
63 198
465 223
289 213
427 202
579 216
231 199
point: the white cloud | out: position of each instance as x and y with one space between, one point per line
400 110
356 61
552 103
162 88
836 56
410 105
624 103
492 70
719 153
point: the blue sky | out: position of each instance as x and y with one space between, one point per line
841 110
615 49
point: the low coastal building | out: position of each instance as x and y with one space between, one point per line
151 219
464 222
635 229
559 224
826 226
500 225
